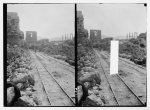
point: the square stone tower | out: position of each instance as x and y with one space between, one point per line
95 35
31 37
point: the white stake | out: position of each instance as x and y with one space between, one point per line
114 57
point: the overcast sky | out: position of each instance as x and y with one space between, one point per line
114 19
49 20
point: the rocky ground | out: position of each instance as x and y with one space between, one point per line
20 72
96 91
89 76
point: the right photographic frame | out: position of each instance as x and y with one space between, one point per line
111 37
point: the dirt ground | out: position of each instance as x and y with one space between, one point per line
135 79
64 77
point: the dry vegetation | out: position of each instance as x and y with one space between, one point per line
134 47
64 50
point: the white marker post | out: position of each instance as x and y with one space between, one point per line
114 57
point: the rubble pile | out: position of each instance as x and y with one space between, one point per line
89 77
20 73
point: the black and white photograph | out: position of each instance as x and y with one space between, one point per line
40 55
109 37
75 54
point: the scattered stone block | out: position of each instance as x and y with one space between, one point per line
93 100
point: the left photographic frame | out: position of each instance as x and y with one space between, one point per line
39 50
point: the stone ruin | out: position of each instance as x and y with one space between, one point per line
95 35
31 37
82 33
14 34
